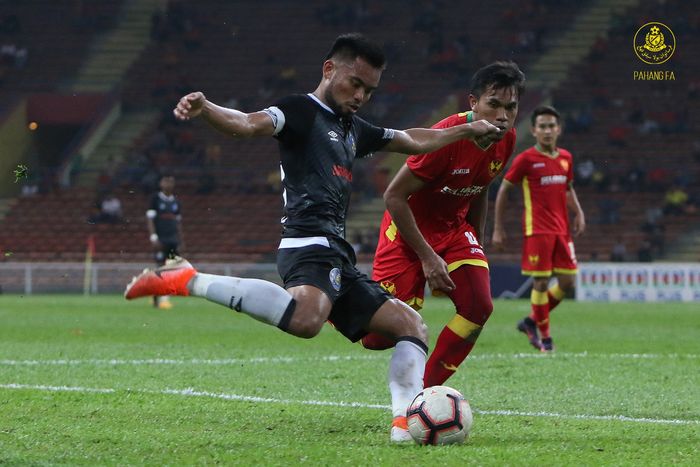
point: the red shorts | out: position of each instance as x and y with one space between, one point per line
544 254
399 271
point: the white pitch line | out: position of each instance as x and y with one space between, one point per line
328 358
194 361
190 392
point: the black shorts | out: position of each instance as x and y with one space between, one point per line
355 297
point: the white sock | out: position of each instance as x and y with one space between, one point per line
405 375
264 301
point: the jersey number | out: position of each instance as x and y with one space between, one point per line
471 238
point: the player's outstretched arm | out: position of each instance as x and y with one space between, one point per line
424 140
229 121
579 219
396 197
499 232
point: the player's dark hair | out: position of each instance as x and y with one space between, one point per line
167 174
544 110
498 75
353 45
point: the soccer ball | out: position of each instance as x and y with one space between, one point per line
439 415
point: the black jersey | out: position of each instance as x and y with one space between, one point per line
165 212
317 150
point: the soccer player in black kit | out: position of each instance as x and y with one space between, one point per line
319 137
164 222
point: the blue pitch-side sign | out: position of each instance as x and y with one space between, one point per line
641 282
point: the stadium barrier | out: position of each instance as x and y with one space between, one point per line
642 282
595 281
43 278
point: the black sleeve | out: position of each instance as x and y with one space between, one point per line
299 114
371 138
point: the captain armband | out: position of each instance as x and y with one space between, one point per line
277 117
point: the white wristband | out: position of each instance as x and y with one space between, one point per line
154 238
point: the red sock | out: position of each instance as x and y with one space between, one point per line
472 299
540 311
450 351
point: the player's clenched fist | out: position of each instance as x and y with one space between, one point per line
483 127
190 106
485 133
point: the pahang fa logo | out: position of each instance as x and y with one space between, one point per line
654 43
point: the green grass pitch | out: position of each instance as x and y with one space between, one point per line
99 380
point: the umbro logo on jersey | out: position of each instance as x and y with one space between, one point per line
538 165
460 171
333 135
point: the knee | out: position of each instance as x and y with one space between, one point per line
418 328
476 311
412 323
422 331
306 330
566 283
305 323
540 284
486 305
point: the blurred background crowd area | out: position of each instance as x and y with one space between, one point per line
91 86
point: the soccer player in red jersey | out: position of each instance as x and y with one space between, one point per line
435 218
545 173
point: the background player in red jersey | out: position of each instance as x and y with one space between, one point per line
545 172
435 219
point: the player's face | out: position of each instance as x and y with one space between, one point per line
497 106
349 84
167 184
546 130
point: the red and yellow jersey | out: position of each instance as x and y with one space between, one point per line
545 180
454 175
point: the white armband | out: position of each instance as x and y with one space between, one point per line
277 117
151 213
154 238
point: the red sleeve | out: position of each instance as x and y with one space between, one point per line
516 172
430 166
570 172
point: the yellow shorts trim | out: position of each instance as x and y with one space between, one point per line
572 272
536 273
462 326
472 262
